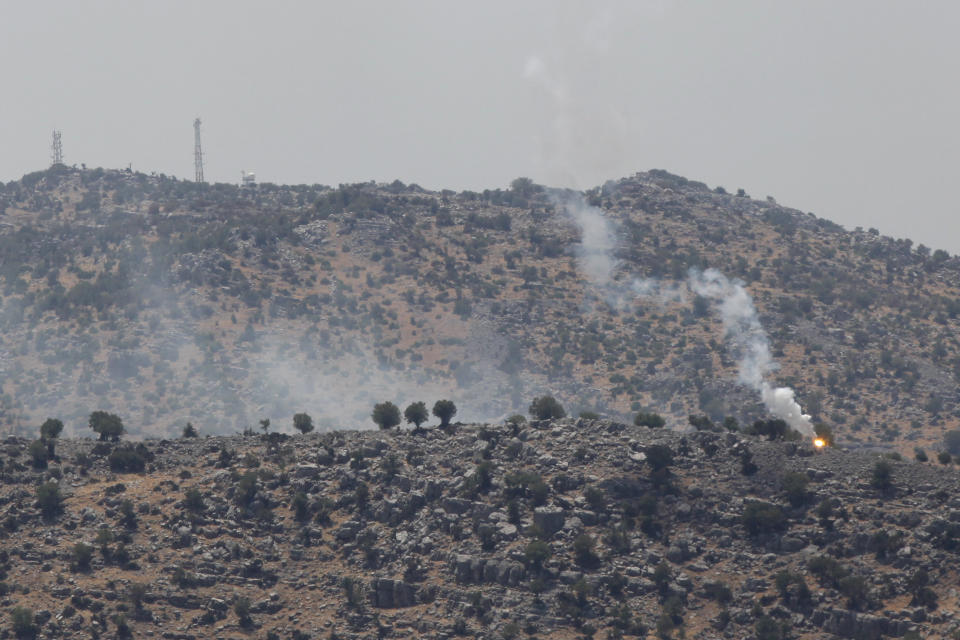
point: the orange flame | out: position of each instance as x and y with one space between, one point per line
819 443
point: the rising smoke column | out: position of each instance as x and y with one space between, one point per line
598 239
741 322
749 342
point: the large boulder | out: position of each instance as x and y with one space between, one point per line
549 519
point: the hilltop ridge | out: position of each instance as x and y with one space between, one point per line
168 301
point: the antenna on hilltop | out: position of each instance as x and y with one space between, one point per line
197 152
57 148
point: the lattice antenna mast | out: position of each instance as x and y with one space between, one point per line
197 152
57 148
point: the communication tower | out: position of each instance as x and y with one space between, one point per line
197 152
57 148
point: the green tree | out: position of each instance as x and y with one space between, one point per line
794 486
136 593
241 607
659 456
21 620
536 553
882 476
38 454
193 500
108 425
546 408
583 550
51 429
523 186
49 499
416 414
301 506
444 410
762 517
951 441
82 555
386 415
651 420
303 423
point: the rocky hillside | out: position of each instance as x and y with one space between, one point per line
570 528
166 301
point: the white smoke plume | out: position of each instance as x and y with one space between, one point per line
749 341
598 239
741 322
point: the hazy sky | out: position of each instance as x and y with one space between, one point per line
847 109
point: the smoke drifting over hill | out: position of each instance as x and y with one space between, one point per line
747 340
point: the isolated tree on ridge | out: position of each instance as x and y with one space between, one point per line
108 425
386 415
303 423
444 410
416 414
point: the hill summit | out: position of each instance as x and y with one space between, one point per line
165 301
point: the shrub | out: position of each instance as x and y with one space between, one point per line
944 457
775 429
659 456
246 489
951 441
386 415
793 588
829 572
241 607
662 576
193 500
882 476
300 506
49 499
129 459
536 553
21 620
303 423
763 517
136 593
769 629
795 487
38 454
718 592
527 484
855 590
123 627
546 408
128 517
701 423
481 480
516 420
82 555
596 499
583 550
